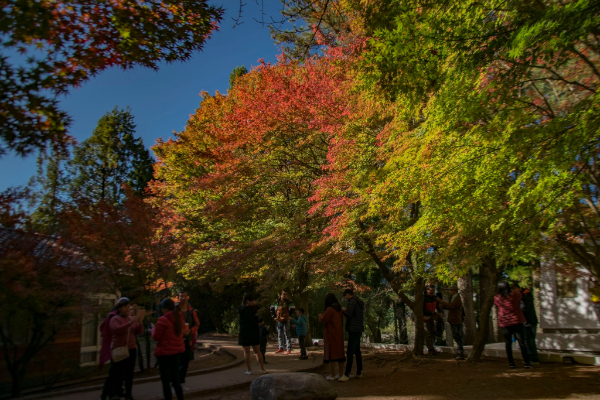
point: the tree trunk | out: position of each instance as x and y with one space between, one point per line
418 313
489 275
396 333
304 305
449 339
465 287
16 383
402 319
498 334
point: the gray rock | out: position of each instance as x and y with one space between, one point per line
292 386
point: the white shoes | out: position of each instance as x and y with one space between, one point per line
344 378
185 388
330 378
248 372
356 376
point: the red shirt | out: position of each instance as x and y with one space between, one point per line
169 343
509 310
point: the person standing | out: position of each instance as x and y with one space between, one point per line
455 319
531 323
283 323
511 320
301 331
168 332
333 336
355 327
249 336
190 334
430 315
123 328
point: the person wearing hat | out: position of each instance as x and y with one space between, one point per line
123 327
455 319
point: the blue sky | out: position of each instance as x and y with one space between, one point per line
162 101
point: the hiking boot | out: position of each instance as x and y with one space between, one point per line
344 378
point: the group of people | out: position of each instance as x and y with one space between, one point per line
253 333
175 333
516 317
176 330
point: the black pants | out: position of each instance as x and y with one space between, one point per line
529 332
517 331
302 346
119 373
354 350
263 349
169 375
186 356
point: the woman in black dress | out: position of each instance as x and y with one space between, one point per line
250 332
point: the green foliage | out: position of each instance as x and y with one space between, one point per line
110 158
236 73
47 195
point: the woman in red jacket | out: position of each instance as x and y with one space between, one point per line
333 336
168 332
511 319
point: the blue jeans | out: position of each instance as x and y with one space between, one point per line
283 331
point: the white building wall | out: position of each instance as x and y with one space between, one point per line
567 323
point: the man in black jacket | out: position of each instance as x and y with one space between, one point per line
355 327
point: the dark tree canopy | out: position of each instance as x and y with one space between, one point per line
61 44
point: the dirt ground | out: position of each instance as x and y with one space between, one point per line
394 375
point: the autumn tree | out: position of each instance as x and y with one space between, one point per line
49 47
109 159
41 288
242 174
496 127
131 241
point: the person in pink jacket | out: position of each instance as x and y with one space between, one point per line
511 319
123 327
168 332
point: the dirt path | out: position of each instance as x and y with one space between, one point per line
392 375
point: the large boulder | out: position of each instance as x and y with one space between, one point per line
292 386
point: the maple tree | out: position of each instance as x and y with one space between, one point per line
243 170
49 47
132 242
495 129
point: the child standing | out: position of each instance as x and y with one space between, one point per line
301 331
264 337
